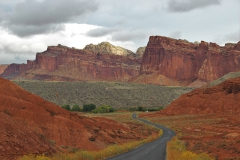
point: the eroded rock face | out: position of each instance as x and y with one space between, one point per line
140 51
13 70
183 62
165 61
67 64
3 67
106 47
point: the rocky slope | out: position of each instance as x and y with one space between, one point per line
168 61
67 64
222 98
31 125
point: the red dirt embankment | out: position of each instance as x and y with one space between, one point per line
207 119
31 125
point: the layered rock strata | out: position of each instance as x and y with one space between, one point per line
67 64
168 61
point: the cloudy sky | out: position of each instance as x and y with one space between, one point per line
29 26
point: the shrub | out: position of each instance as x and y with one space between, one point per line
140 108
67 107
176 150
103 109
76 108
88 107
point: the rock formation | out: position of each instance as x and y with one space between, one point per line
168 61
165 61
106 47
140 51
64 63
222 98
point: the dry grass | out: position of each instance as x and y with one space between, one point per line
96 155
110 151
176 150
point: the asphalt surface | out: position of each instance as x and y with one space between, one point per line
155 150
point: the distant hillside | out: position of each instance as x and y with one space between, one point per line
115 94
222 98
225 77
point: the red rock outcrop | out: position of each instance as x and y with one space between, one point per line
14 69
168 61
222 98
64 63
31 125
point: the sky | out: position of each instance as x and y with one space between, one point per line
29 26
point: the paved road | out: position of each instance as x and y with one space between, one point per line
155 150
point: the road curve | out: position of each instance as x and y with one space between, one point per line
155 150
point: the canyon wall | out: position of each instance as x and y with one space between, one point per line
70 64
165 61
168 61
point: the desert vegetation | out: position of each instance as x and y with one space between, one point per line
116 94
176 150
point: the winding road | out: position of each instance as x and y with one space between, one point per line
155 150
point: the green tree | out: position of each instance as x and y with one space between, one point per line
67 107
103 109
140 108
76 108
88 107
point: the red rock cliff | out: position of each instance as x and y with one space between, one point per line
64 63
13 70
169 61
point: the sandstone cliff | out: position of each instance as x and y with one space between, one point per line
68 64
168 61
165 61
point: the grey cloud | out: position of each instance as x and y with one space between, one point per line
129 35
41 16
99 32
188 5
24 31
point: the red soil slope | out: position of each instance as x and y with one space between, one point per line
222 98
30 124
